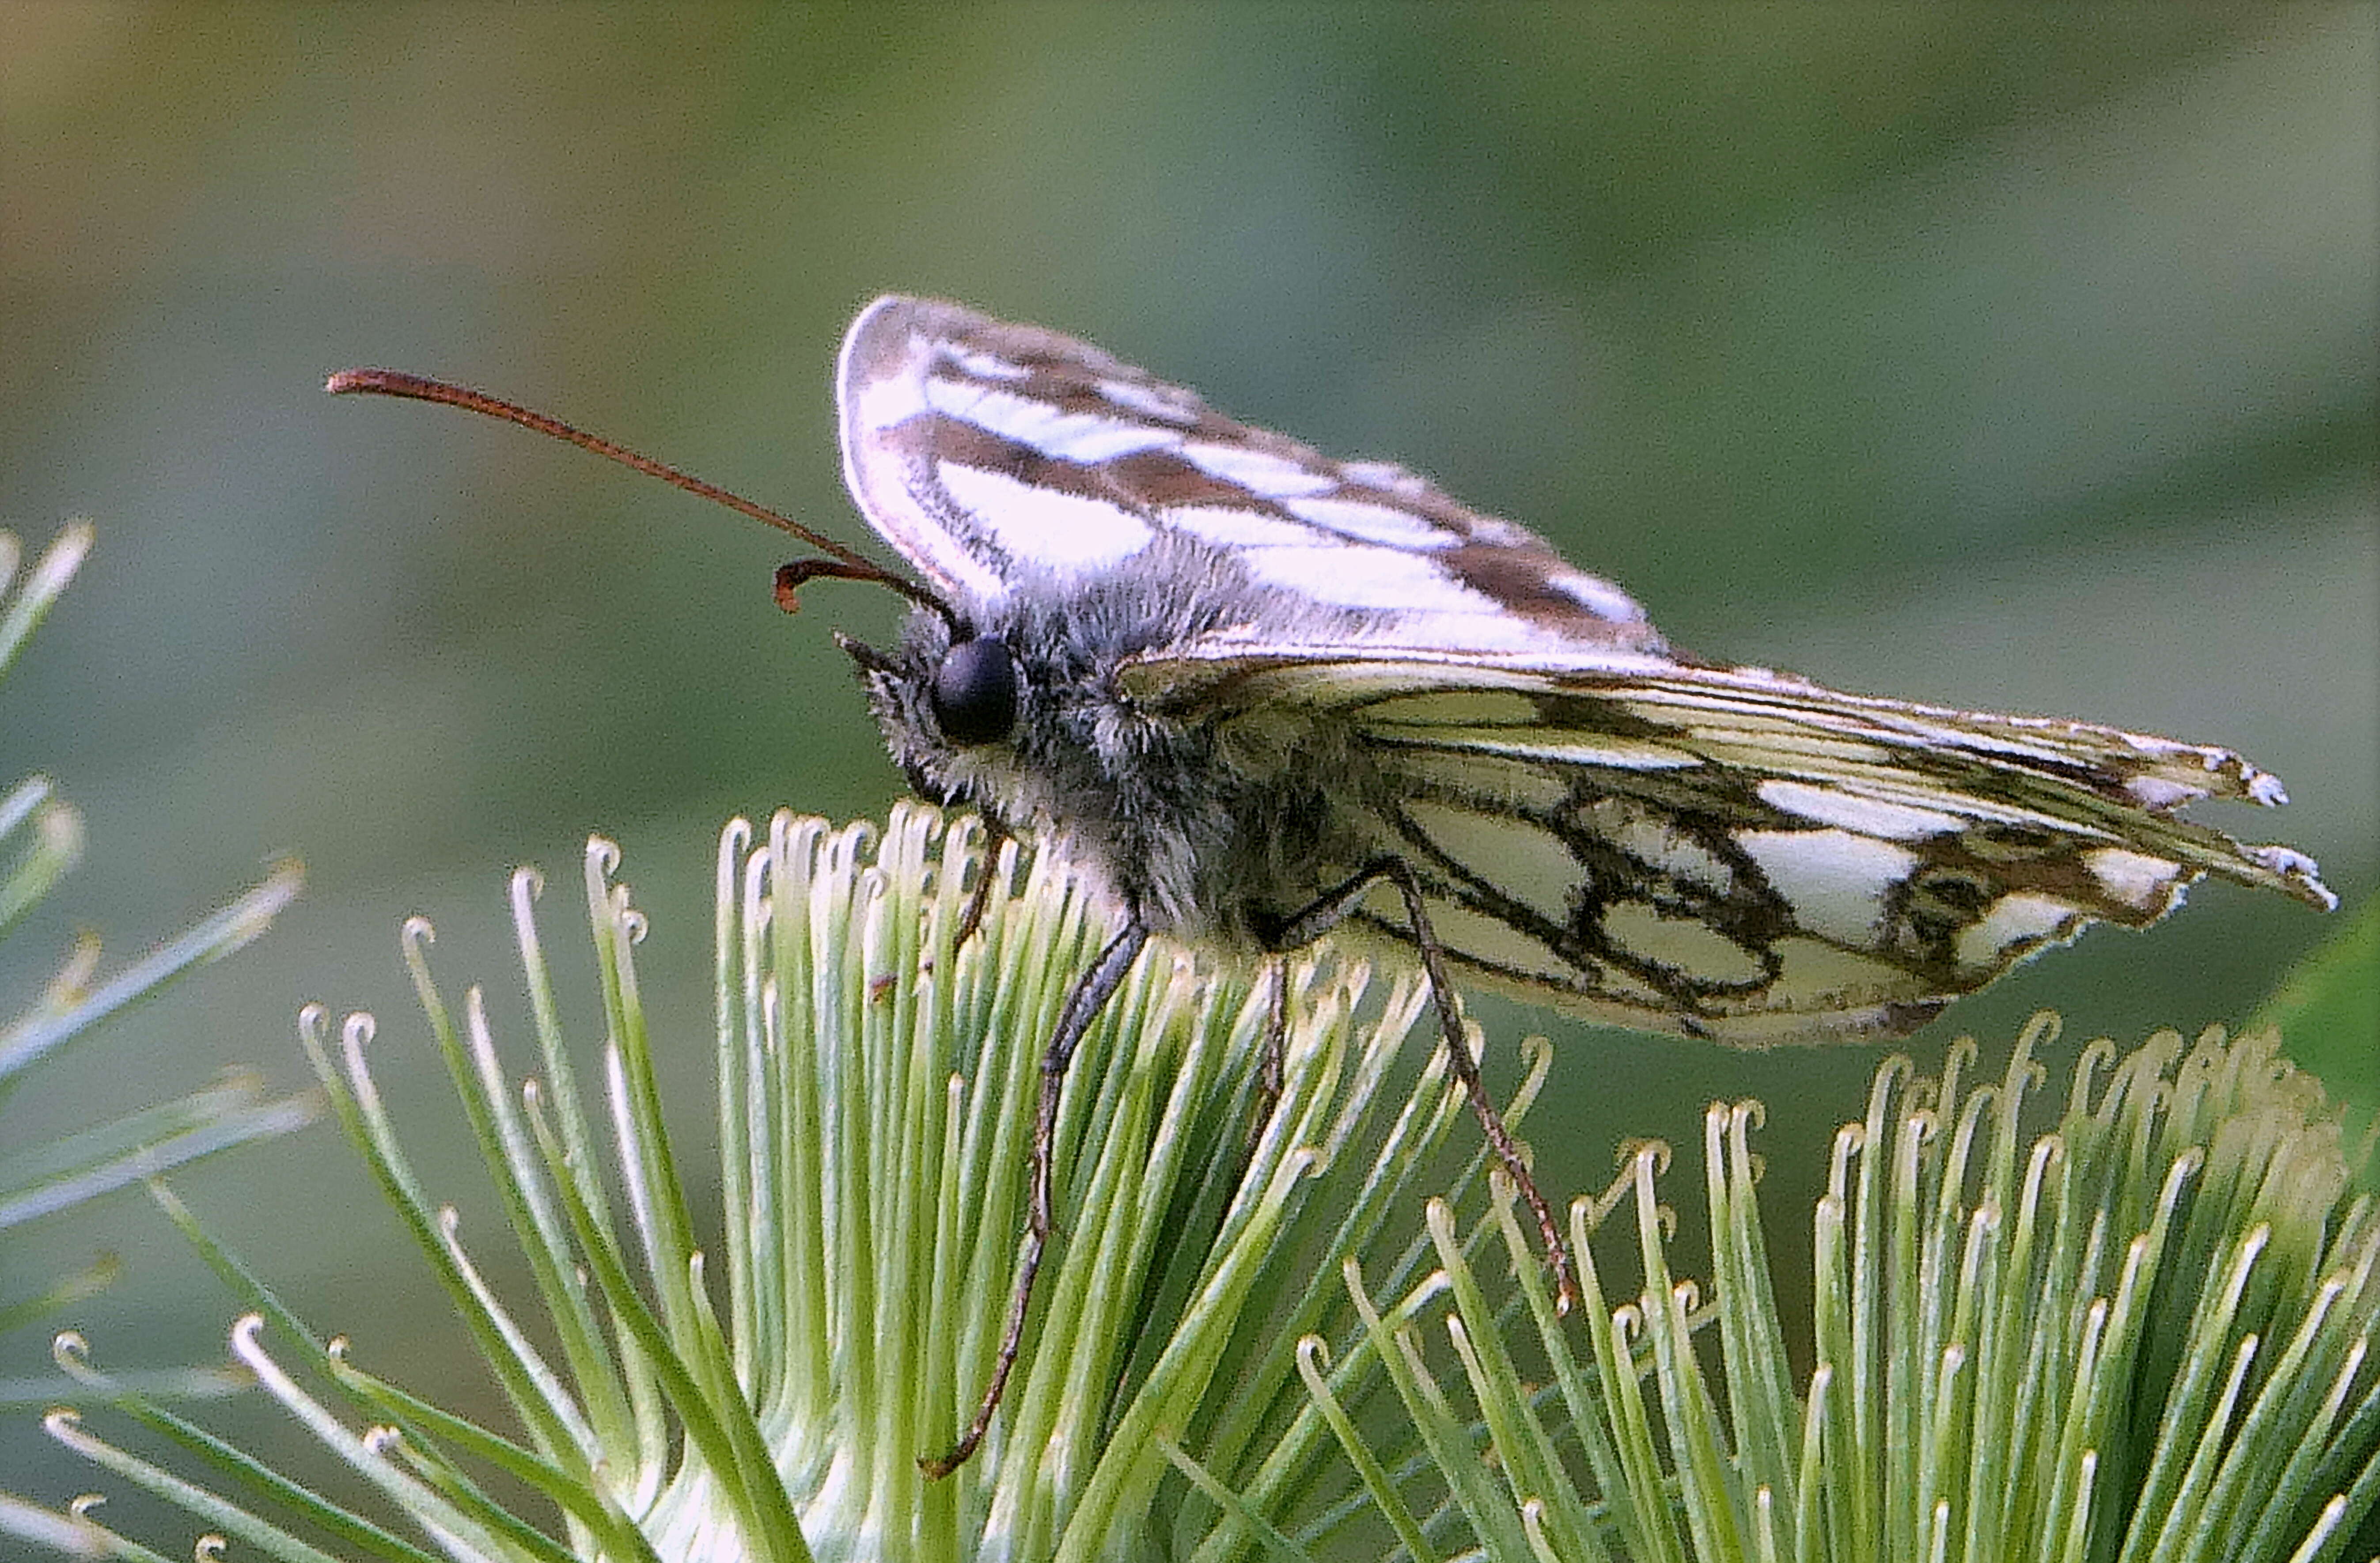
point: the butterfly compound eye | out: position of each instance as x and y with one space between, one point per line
975 692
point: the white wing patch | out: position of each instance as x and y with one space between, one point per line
1367 522
1360 576
2132 878
1868 817
1053 530
1262 473
1597 596
871 406
989 366
1167 404
1083 438
2016 922
1227 526
1836 881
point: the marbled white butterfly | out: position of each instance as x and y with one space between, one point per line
1262 695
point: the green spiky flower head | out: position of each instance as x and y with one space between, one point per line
2135 1327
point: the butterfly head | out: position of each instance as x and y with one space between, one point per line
949 701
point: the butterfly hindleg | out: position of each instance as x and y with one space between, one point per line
1304 927
1091 994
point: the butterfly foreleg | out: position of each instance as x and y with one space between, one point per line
1091 995
1305 926
995 836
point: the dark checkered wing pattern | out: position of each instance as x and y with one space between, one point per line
1740 853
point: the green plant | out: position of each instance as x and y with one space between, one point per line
768 1395
47 1170
2144 1333
2141 1335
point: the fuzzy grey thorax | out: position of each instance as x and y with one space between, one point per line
1080 767
1179 822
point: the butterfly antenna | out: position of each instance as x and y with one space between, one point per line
841 564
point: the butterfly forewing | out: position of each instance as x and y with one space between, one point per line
998 455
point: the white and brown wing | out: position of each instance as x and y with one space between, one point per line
1002 457
1736 852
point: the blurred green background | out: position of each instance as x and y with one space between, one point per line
2008 357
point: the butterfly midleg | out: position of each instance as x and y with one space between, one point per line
1271 1062
1274 1057
1091 994
1306 926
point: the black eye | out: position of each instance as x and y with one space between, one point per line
975 692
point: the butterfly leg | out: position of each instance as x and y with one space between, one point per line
1274 1057
1271 1062
995 836
1083 1006
1304 927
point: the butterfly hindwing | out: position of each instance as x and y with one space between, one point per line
1737 853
